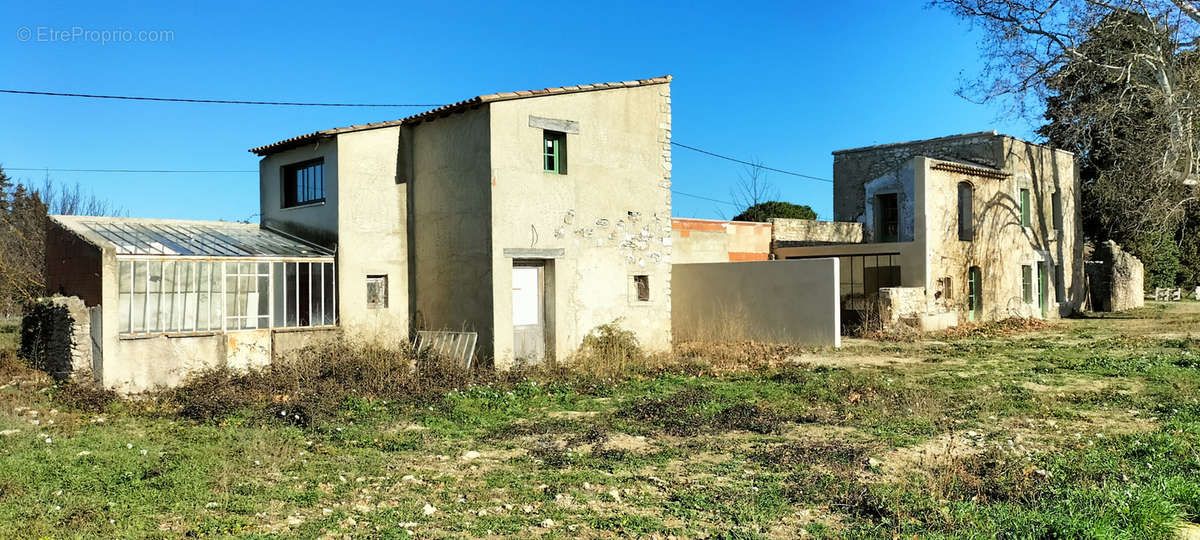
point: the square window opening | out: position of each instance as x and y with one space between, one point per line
641 283
377 292
303 183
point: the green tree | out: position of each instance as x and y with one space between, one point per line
775 209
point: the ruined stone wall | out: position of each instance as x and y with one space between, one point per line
1116 279
62 346
853 169
806 232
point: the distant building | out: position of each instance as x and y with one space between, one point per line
977 227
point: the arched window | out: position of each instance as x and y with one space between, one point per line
966 211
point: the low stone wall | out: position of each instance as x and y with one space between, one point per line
807 232
60 346
903 308
1116 279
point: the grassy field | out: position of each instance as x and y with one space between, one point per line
1084 428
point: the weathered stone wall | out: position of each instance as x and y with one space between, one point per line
1116 279
806 232
903 308
900 302
854 168
73 360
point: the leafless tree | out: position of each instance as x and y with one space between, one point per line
23 220
1121 76
752 187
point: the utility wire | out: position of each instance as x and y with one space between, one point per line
221 101
755 165
702 197
205 171
195 171
307 104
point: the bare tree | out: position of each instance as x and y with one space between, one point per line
23 219
752 187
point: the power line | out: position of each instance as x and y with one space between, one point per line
292 103
221 101
677 192
755 165
247 171
195 171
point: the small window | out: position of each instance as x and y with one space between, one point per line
1027 283
554 152
377 292
642 285
1026 220
948 287
966 211
889 218
1059 287
1056 201
304 183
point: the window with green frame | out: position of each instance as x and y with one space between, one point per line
1025 219
1027 283
554 151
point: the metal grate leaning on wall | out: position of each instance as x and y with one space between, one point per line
161 296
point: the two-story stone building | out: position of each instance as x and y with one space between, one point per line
976 227
529 218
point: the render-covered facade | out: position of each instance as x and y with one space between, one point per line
523 219
530 218
987 226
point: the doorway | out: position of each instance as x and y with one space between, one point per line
529 317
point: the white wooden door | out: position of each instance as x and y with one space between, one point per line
529 334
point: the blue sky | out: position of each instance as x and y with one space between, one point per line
783 83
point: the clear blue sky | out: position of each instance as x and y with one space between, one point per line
784 83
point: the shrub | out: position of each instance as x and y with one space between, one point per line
84 396
609 349
314 383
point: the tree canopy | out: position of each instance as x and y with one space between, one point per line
775 209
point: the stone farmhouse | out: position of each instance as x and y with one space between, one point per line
527 218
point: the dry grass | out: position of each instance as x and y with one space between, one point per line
995 329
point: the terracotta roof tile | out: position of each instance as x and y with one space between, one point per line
445 110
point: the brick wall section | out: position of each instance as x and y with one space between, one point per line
807 232
706 240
